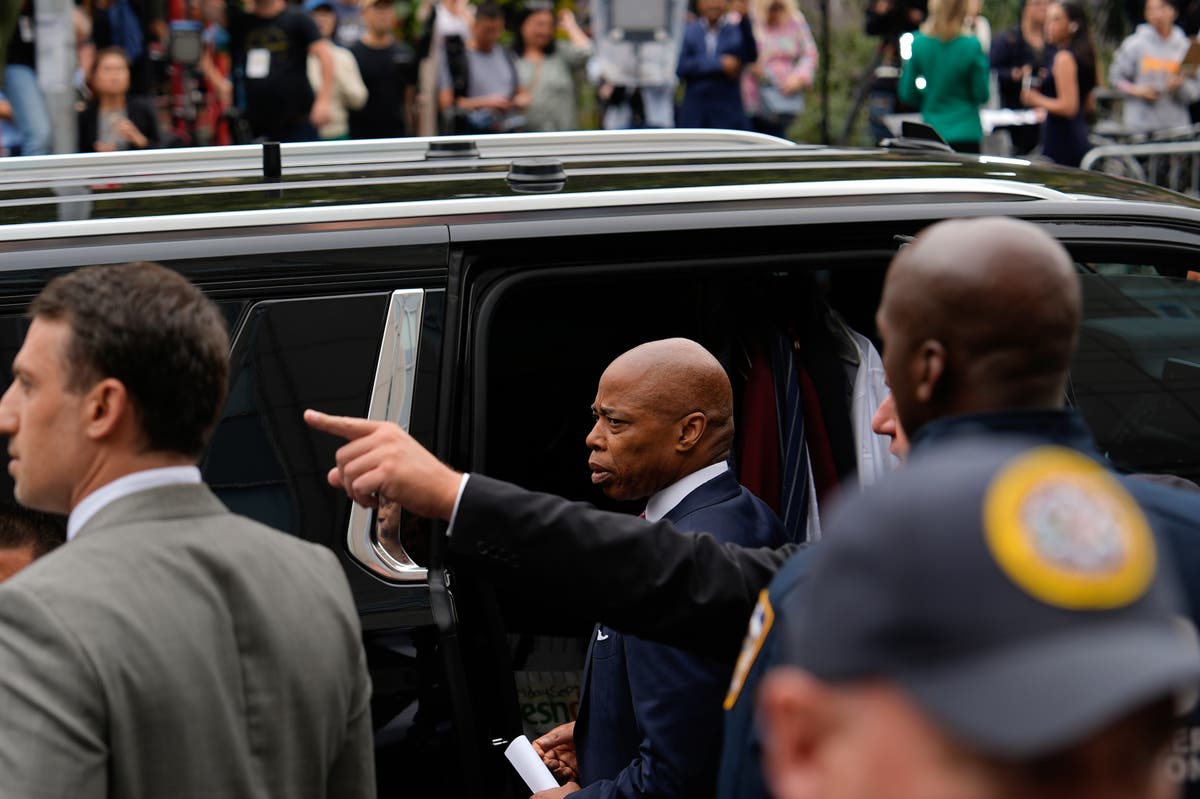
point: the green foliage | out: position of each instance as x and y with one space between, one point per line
851 54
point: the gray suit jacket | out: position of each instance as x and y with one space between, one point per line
174 649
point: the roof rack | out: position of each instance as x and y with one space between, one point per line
531 202
917 136
98 167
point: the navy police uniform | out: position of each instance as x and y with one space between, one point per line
1173 514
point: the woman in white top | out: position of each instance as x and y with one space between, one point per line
349 91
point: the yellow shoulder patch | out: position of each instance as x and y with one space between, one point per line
1067 533
760 624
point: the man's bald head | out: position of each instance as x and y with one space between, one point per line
978 315
677 375
663 410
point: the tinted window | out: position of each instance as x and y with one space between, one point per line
1136 373
291 355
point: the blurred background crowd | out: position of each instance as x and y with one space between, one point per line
1040 77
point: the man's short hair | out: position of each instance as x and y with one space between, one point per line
489 11
148 327
21 527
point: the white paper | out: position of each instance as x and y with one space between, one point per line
527 763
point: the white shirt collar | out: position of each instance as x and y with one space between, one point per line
664 501
144 480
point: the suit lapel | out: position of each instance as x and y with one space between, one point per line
721 488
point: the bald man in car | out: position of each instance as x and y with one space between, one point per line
650 719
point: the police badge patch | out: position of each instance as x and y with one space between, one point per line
760 624
1067 533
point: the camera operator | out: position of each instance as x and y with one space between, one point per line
478 85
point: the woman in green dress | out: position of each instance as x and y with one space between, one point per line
946 76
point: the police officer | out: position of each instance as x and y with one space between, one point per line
993 622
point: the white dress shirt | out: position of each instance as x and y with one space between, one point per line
663 502
144 480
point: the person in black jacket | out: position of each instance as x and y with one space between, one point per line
115 120
389 69
1016 53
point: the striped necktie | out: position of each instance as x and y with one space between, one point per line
793 493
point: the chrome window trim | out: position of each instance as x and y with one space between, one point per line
391 400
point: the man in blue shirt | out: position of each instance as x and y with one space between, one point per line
715 51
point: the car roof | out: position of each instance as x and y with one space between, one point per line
463 175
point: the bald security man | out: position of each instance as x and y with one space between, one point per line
984 351
649 719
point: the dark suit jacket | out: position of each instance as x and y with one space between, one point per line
175 649
711 98
650 715
140 112
702 590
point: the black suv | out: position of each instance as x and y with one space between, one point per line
474 290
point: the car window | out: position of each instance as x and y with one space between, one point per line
1136 372
288 356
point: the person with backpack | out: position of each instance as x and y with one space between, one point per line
478 87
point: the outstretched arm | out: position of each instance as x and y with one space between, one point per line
703 591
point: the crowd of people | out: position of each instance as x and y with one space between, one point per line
335 69
1048 61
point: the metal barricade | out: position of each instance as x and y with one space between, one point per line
1170 159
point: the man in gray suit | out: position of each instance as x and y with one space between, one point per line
170 648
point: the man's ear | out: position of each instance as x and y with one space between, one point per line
796 721
928 368
691 430
107 409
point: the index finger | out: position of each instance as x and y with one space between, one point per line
347 427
